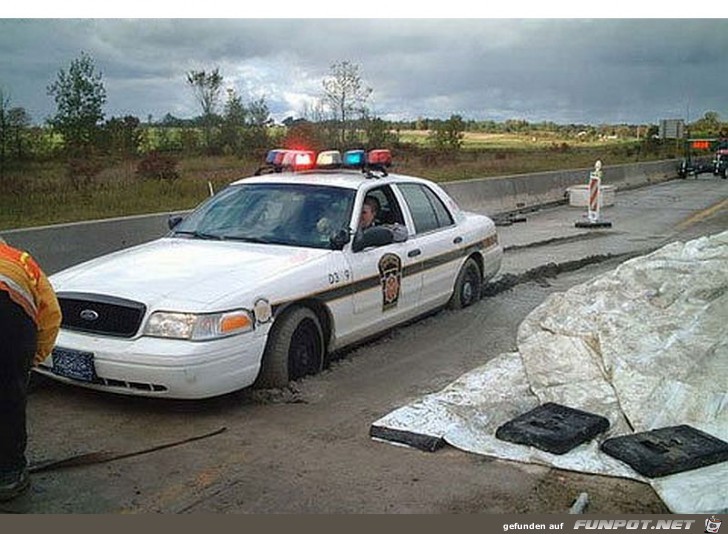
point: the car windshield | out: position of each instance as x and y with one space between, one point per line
298 215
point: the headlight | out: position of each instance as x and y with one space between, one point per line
198 327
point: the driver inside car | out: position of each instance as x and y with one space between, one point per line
369 211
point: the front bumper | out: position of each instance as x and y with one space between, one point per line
171 368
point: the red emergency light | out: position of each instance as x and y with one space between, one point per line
304 160
298 160
380 157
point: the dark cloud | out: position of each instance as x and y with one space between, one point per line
563 70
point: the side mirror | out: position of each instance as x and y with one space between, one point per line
339 239
376 236
174 220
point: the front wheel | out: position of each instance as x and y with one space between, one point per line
295 349
467 286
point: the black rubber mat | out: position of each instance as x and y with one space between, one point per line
666 451
596 224
553 428
422 442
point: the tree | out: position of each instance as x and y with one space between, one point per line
80 95
258 121
304 135
13 123
378 132
708 125
245 127
206 87
18 122
123 135
233 122
346 94
449 134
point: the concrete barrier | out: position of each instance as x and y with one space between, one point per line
511 194
59 246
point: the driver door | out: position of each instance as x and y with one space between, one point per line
387 284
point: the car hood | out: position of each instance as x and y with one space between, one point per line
186 274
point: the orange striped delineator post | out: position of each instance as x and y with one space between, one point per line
595 193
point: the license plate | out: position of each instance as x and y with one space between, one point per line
74 364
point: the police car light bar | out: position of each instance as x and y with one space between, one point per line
281 159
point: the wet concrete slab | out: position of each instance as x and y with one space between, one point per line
642 220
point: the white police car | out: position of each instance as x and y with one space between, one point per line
264 279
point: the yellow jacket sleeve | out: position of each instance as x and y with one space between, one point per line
49 319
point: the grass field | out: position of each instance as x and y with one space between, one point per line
41 193
509 141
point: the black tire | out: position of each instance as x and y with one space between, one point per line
467 286
295 349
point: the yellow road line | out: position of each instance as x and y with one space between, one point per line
703 214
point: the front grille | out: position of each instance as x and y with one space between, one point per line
139 386
111 382
101 314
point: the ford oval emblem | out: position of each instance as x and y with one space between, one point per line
89 315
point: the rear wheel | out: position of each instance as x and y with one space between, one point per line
467 286
295 349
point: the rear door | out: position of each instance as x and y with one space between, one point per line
440 243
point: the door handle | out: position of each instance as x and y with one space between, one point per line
457 240
413 253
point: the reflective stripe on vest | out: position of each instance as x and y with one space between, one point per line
16 290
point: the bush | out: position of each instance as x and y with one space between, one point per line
560 147
156 166
81 171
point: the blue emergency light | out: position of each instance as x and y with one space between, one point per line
274 157
355 158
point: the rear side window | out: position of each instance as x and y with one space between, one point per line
428 211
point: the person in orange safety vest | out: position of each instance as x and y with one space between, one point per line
29 321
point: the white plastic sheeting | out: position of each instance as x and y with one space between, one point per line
645 345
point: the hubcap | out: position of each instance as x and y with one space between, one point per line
467 292
305 350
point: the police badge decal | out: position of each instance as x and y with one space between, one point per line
390 276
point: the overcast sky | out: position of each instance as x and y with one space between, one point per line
563 70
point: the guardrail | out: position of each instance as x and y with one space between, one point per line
59 246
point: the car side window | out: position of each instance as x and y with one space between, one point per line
389 211
428 211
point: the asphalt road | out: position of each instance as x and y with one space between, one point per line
306 449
